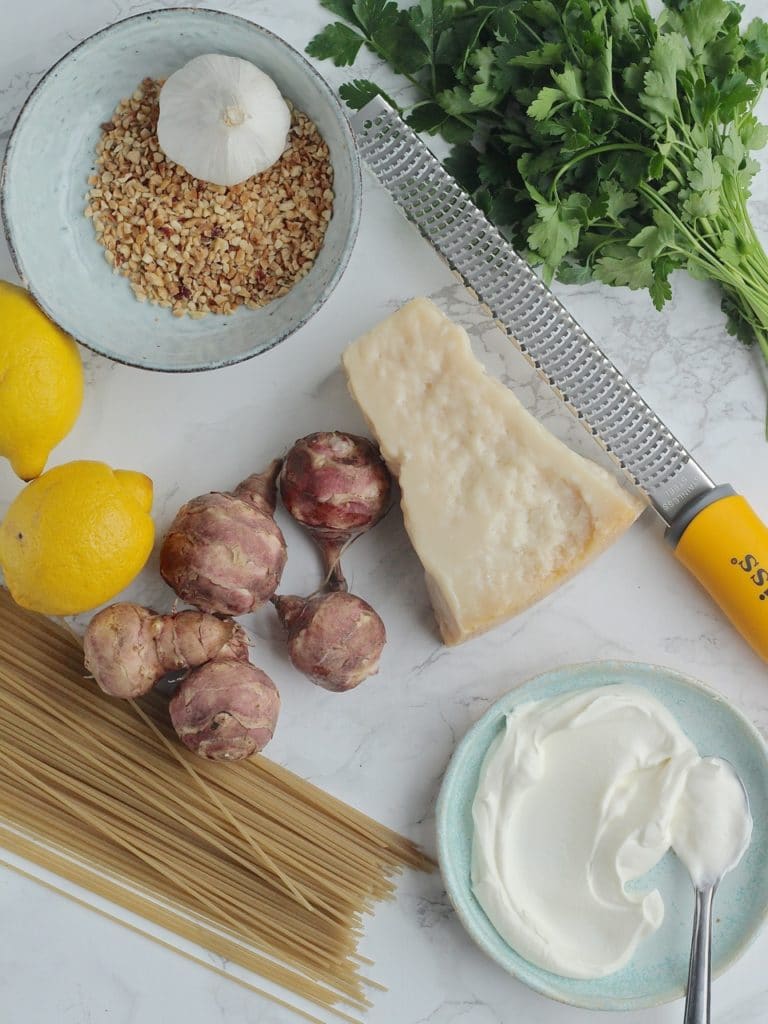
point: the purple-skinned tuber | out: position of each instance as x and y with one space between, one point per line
337 486
225 710
224 552
334 638
129 648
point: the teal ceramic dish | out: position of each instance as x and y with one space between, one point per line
51 154
658 971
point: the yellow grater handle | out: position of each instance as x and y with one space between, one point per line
725 546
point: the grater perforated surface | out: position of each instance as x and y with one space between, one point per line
562 352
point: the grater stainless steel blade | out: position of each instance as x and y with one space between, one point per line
713 531
562 352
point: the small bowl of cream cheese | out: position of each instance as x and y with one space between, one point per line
573 816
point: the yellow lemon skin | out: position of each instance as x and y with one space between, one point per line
76 536
41 382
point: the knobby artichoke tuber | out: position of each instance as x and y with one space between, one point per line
225 710
129 648
224 552
336 638
337 486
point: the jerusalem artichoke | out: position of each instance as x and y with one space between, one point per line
129 648
225 710
335 639
224 552
337 486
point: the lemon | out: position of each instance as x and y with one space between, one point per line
76 536
41 382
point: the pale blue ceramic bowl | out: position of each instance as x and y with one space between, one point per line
658 971
51 153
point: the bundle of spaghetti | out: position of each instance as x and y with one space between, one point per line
248 861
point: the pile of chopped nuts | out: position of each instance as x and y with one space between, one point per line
197 248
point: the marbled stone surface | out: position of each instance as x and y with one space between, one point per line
385 746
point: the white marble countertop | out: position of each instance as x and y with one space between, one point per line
385 746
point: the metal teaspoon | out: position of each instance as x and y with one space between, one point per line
697 997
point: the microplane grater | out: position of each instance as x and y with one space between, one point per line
578 371
560 350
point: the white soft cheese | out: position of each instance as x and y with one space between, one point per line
578 796
499 511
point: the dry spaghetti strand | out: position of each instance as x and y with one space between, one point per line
248 861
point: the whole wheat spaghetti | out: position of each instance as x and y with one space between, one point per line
248 861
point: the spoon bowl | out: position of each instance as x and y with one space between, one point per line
705 883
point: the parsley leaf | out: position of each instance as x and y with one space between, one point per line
617 201
556 232
360 91
464 164
705 173
427 117
545 100
375 15
456 101
660 289
702 21
337 42
341 8
631 270
702 204
547 55
661 93
570 82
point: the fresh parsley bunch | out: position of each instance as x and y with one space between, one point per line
604 142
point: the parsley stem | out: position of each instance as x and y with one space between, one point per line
531 32
626 112
747 288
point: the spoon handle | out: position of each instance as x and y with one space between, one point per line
697 995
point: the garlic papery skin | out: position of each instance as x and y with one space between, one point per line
222 119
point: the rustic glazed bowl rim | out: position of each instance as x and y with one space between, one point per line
475 742
352 149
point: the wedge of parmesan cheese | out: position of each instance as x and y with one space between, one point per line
499 511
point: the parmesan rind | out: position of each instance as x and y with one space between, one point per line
499 511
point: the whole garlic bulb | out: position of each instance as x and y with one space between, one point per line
222 119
